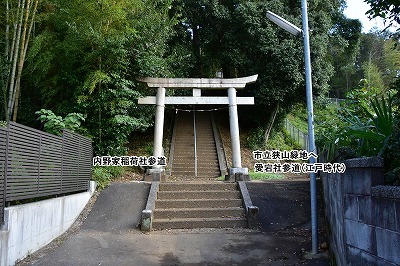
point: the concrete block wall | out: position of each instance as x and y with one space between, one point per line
364 226
332 186
31 226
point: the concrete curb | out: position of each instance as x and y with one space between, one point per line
148 213
251 210
29 227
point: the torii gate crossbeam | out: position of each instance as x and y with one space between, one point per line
197 84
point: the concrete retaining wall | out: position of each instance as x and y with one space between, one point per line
363 217
31 226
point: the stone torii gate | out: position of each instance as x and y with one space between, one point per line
197 84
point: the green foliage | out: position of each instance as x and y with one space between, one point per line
255 139
278 140
3 123
389 10
237 38
104 175
265 176
372 136
149 149
343 49
86 56
373 75
364 125
298 117
281 140
55 124
372 57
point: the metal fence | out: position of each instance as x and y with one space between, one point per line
297 135
36 164
3 135
336 101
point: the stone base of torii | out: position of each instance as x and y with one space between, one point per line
236 172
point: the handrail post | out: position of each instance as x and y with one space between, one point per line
195 143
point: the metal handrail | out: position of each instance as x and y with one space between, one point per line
195 143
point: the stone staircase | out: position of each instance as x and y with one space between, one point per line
198 205
183 165
207 163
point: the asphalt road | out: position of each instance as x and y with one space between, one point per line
109 235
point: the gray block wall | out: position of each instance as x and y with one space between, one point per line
363 216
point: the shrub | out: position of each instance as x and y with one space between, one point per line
104 175
55 124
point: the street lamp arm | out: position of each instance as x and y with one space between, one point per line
284 24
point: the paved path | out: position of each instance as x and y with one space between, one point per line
109 236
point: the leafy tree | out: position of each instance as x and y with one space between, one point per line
389 10
86 56
377 61
344 47
236 37
373 77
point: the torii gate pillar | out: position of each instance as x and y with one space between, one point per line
235 137
236 172
158 172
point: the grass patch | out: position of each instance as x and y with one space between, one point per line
266 176
298 117
281 140
221 178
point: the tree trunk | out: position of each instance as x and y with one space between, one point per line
197 51
270 123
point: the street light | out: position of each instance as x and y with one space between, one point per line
313 180
284 24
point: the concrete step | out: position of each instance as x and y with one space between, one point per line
222 194
182 173
199 213
183 160
178 186
198 203
198 177
190 223
191 175
188 167
199 174
206 161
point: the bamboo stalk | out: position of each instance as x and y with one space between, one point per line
15 97
24 48
6 53
11 93
7 31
